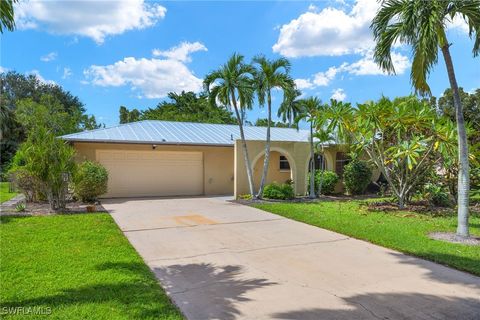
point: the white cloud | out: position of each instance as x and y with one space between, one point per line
2 69
154 78
322 79
40 77
67 73
366 65
303 84
458 23
181 52
95 20
338 94
49 57
330 32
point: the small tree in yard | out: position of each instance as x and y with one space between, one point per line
402 138
50 162
90 181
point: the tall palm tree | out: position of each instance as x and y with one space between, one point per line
288 110
309 110
233 85
270 75
7 17
421 24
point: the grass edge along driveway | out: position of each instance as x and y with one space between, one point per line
402 231
77 266
5 194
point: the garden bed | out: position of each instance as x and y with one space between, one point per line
416 206
43 208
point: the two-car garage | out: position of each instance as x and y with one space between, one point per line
153 173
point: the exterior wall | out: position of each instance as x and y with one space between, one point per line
274 173
297 154
218 161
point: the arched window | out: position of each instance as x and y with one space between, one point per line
320 162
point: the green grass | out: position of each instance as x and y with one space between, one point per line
81 266
5 195
403 231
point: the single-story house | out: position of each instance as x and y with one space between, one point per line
166 158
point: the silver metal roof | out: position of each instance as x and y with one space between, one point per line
171 132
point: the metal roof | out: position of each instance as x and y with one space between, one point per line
171 132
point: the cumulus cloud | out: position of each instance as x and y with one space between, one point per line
85 18
329 32
303 84
49 57
338 94
154 78
181 52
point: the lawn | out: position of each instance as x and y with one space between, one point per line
78 267
402 231
5 195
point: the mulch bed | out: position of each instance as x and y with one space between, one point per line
418 206
43 209
453 238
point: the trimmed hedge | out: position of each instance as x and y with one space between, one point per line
356 177
278 191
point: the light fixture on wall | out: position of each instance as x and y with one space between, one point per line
154 146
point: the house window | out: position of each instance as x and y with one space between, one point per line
284 165
341 161
320 163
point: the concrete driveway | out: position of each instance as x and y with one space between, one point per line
220 260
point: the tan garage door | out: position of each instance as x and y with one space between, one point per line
152 173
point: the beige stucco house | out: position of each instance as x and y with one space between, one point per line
164 158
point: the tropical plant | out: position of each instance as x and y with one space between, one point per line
50 163
321 137
90 181
329 180
402 138
7 15
278 191
310 109
270 75
233 85
357 175
422 24
288 110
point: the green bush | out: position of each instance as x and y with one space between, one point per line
436 195
278 191
356 177
90 181
329 180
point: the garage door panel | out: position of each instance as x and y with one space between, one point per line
152 173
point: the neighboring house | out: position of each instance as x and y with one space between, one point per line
165 158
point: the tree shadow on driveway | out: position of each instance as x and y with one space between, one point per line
208 291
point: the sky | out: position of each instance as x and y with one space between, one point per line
132 53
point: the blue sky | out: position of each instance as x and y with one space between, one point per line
132 52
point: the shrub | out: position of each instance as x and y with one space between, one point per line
278 191
328 179
356 177
436 196
25 182
90 181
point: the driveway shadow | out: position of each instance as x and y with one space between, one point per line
208 291
393 306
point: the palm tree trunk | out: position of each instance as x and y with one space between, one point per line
266 160
463 165
312 159
246 158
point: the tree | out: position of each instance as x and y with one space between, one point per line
403 138
309 109
7 15
322 135
127 116
422 25
263 122
270 75
233 85
189 107
289 108
17 88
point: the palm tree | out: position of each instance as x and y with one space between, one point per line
233 85
288 110
7 17
309 110
322 136
421 24
270 75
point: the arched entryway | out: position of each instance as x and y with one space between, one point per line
281 167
